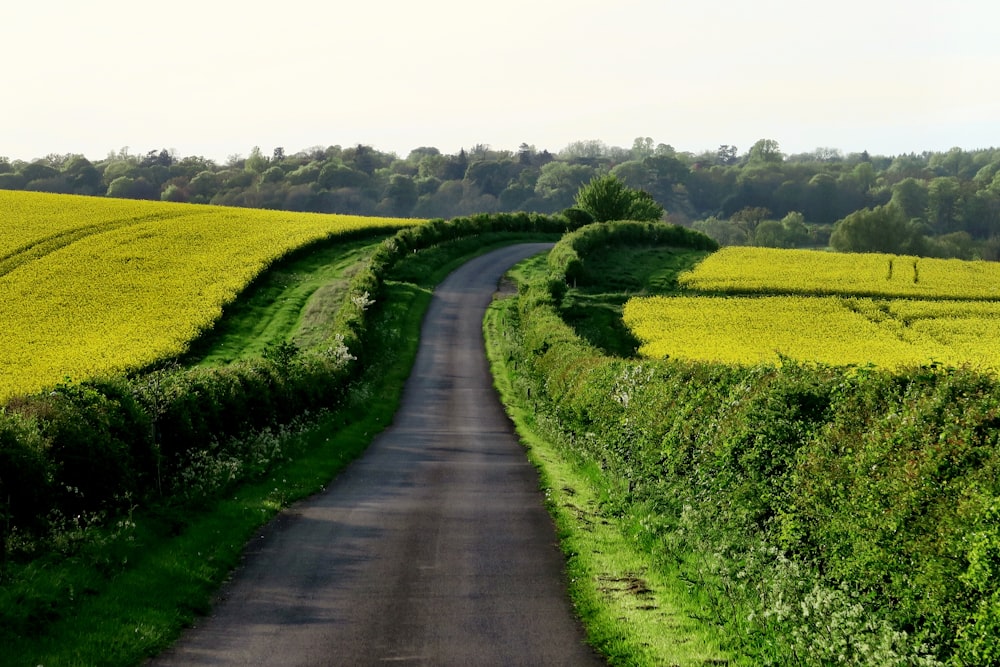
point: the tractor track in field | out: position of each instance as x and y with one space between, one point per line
433 548
41 247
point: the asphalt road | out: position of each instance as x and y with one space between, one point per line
434 548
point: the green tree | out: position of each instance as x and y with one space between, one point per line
981 214
725 232
957 245
11 181
766 151
257 162
707 189
944 204
642 148
82 176
492 176
335 175
514 197
749 217
667 172
789 232
173 193
821 198
607 198
881 229
455 167
37 171
400 196
633 173
126 187
864 176
796 231
162 158
117 168
955 162
726 155
588 150
982 179
910 196
307 173
559 182
204 186
770 234
366 159
272 175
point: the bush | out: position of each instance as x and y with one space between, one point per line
606 198
25 475
578 216
99 442
568 257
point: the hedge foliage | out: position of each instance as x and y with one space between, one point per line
106 445
567 260
833 515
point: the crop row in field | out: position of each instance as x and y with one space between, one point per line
136 285
781 313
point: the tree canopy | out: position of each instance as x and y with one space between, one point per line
608 198
949 199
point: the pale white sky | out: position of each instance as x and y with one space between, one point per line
215 77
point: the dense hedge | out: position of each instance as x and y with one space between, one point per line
831 515
103 445
369 281
567 260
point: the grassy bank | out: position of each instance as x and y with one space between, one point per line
635 612
294 301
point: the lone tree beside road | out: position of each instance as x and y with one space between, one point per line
607 198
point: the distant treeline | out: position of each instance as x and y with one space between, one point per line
933 203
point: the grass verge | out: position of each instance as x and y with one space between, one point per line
635 611
295 299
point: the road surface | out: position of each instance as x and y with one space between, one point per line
433 548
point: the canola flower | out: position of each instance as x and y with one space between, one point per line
143 281
761 305
748 330
744 270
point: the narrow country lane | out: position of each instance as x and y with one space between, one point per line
434 548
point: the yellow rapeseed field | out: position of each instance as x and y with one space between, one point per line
827 308
741 270
91 286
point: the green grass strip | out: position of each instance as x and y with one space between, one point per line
634 611
294 301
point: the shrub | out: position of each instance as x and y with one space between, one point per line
99 443
607 198
25 475
568 257
578 216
